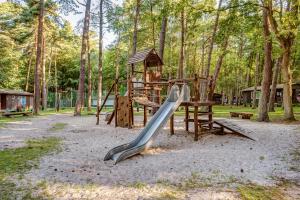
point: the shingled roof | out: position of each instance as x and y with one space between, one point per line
15 92
148 55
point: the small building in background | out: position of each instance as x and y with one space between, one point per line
14 100
248 94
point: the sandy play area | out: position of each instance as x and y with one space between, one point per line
212 167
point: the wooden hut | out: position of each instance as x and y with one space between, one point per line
13 100
248 94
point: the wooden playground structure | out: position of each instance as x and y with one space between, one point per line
144 86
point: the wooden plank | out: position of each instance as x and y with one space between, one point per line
233 128
196 123
186 118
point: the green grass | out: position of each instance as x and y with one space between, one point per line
58 126
224 111
256 192
20 160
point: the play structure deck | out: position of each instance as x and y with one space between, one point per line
144 87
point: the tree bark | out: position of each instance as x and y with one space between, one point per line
80 92
256 74
162 37
56 83
274 84
219 65
37 94
286 39
181 55
267 71
28 72
203 93
44 85
152 23
89 77
287 85
100 62
136 19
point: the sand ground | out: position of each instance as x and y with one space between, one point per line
215 164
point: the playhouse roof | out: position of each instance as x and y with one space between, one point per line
15 92
148 55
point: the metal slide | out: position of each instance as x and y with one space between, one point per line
160 118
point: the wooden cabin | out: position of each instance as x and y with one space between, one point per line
248 94
14 100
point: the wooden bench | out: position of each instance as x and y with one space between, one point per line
243 114
8 114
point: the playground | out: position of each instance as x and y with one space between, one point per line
174 167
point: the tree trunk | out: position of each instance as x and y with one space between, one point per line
28 72
136 18
89 77
267 71
181 55
49 69
152 23
254 103
287 84
162 37
80 92
100 62
203 89
44 85
37 94
219 65
274 84
56 84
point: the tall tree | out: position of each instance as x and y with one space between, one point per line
89 76
135 30
203 93
80 92
100 61
182 35
37 94
267 71
256 76
276 71
44 85
162 36
285 30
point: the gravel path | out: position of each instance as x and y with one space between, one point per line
172 159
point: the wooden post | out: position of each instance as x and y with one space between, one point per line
196 124
145 115
172 117
145 91
172 125
187 118
116 103
130 117
210 98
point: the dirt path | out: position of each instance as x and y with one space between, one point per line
174 161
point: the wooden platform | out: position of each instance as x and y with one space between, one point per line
145 102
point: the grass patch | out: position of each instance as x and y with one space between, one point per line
138 185
256 192
295 153
58 126
169 195
18 161
224 111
